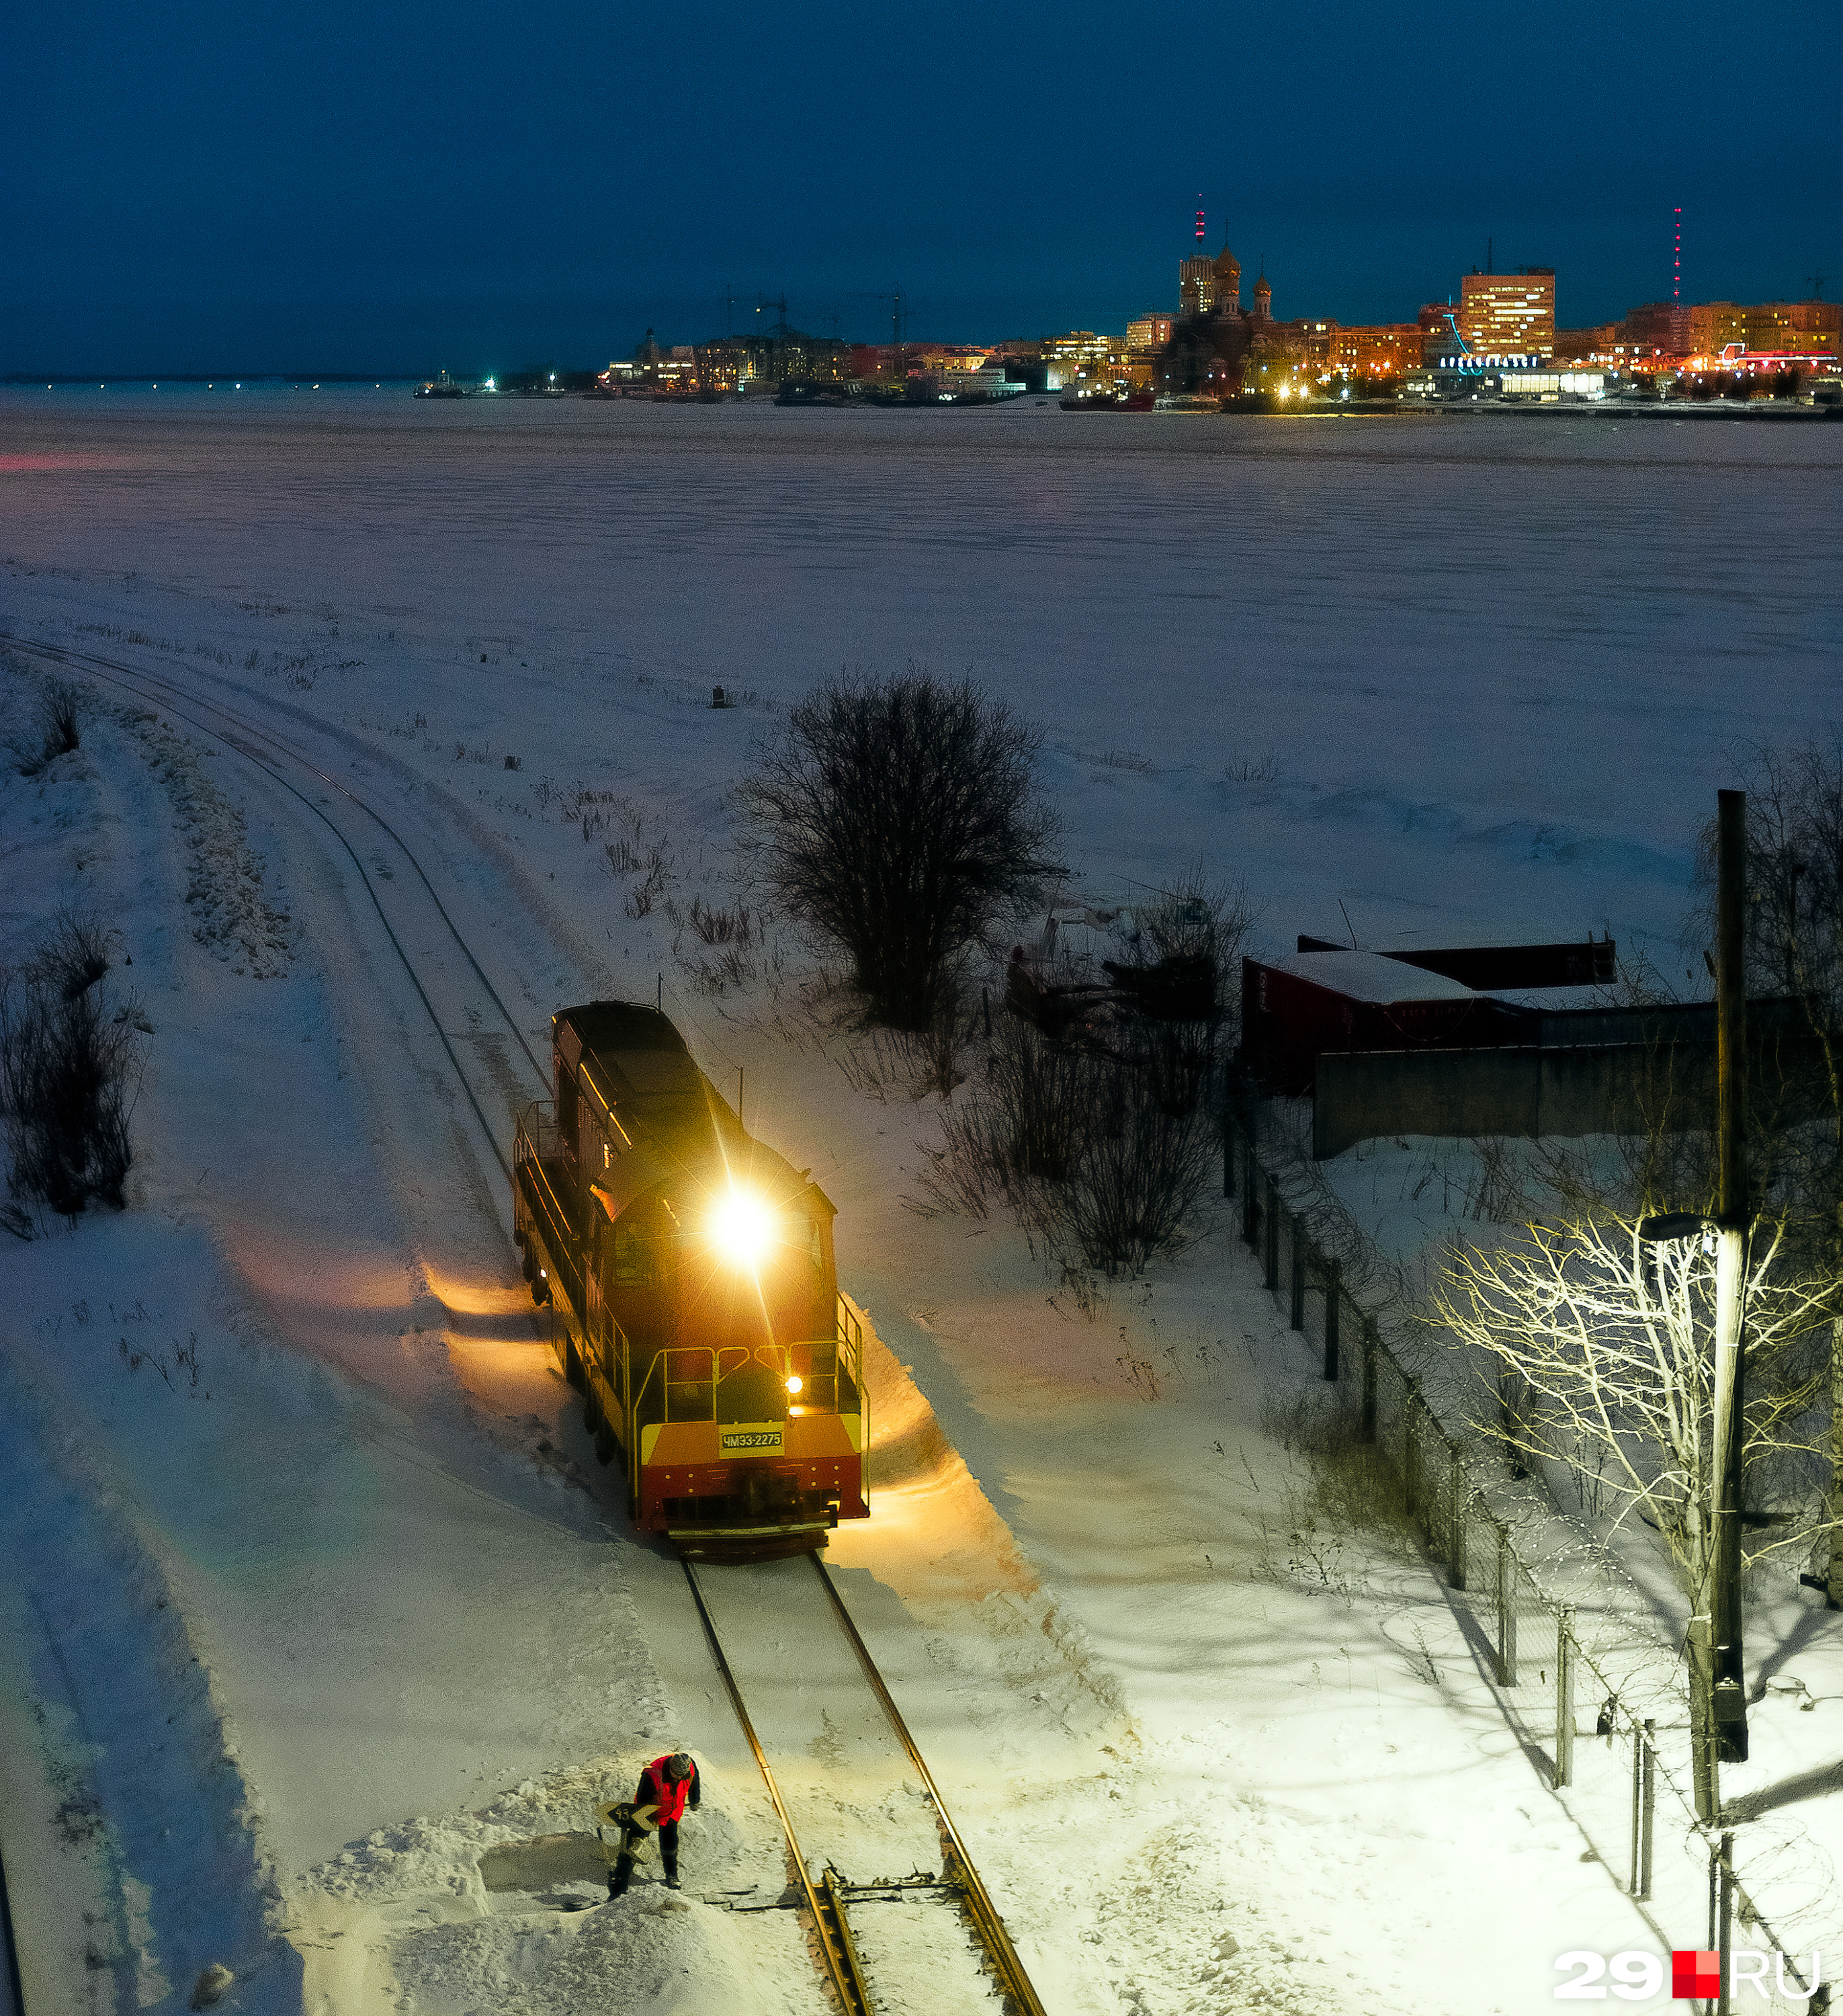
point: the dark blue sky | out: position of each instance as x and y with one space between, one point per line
389 187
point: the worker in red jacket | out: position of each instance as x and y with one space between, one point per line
667 1787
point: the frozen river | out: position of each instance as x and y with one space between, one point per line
1483 667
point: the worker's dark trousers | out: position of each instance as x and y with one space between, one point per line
622 1873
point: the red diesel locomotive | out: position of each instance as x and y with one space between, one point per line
688 1271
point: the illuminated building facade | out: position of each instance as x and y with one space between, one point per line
1807 328
1377 350
1509 314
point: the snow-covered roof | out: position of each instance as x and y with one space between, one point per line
1369 975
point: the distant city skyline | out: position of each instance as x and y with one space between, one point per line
194 189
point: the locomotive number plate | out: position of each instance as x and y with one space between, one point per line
753 1439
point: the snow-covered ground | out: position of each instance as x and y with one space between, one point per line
319 1595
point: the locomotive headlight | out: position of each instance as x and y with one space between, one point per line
795 1382
743 1227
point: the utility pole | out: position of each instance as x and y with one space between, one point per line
1729 1700
1718 1681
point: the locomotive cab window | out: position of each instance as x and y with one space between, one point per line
635 1259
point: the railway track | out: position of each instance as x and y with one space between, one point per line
464 1007
828 1897
460 999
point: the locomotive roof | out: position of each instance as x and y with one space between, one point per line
635 1065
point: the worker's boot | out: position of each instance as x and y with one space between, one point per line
672 1876
621 1875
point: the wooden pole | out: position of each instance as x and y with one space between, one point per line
1638 1777
1370 1343
1729 1699
1506 1611
1650 1808
1334 1292
1271 1274
1564 1696
1456 1542
1725 1868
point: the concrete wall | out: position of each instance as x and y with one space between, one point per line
1600 1089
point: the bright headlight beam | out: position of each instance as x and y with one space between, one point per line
742 1227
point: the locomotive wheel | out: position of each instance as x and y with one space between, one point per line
527 1266
604 1444
592 1410
540 1292
573 1364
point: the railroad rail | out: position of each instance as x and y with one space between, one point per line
269 754
827 1899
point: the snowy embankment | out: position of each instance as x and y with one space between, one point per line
1189 1761
1203 1765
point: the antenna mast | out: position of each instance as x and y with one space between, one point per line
1676 261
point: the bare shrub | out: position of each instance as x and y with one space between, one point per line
896 817
1352 1487
63 723
1082 1145
59 729
67 1071
651 886
72 955
1141 1170
721 927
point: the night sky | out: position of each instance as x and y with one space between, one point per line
388 188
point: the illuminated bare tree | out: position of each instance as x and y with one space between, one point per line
1605 1343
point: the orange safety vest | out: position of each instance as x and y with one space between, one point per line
667 1794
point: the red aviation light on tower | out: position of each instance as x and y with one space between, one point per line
1676 267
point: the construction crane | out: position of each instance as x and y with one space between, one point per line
783 327
894 297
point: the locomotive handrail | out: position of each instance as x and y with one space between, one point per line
659 1372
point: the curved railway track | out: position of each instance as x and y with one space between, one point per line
422 922
429 943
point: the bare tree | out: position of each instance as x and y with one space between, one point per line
1603 1342
896 817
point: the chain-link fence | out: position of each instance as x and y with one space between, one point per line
1576 1655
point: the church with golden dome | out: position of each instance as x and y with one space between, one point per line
1215 341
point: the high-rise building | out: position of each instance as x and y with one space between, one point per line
1509 315
1662 327
1715 325
1206 285
1804 328
1378 350
1435 324
1148 332
1196 285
